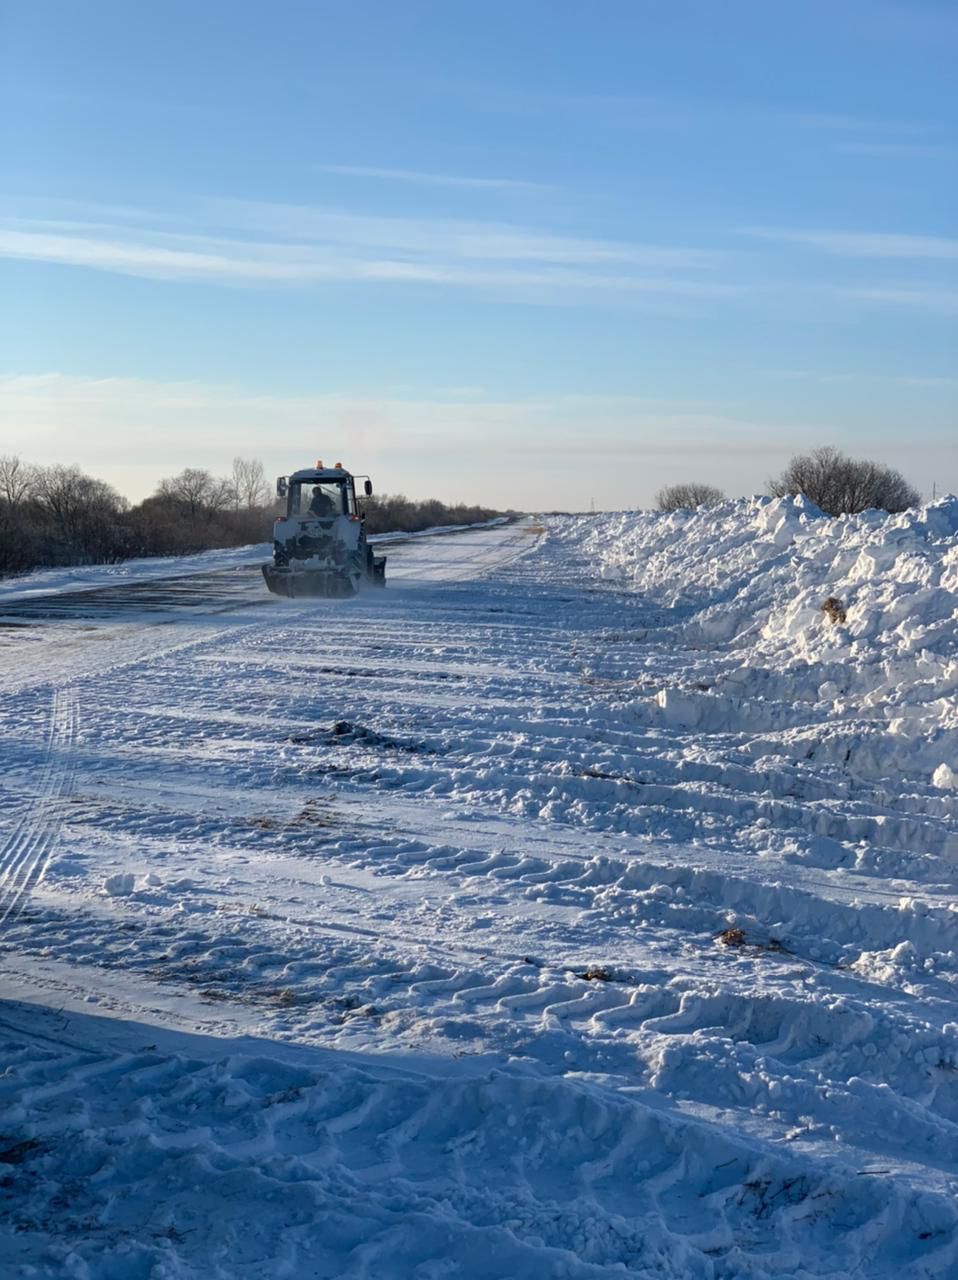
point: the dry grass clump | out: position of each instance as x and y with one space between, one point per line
735 937
731 937
834 610
595 973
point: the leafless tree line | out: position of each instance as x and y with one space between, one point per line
57 515
391 513
837 484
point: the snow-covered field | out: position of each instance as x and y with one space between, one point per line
583 905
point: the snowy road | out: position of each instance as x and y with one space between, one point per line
490 926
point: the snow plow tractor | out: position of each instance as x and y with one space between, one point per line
320 546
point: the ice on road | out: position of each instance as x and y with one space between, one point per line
582 905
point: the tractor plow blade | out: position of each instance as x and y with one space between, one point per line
325 583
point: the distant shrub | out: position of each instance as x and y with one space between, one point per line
839 485
686 497
395 513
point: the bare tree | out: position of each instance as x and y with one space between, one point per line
838 484
17 479
249 486
196 494
81 519
685 497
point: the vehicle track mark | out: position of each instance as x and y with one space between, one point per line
26 853
653 1191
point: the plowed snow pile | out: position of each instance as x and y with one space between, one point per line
851 620
583 905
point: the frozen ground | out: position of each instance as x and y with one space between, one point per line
583 905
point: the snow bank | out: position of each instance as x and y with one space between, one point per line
771 563
851 617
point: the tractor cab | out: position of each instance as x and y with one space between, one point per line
320 493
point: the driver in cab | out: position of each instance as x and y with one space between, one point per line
321 503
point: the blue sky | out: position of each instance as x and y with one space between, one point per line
534 254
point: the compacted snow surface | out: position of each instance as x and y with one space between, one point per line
582 905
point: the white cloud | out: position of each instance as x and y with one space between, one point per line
543 451
863 244
446 238
432 179
896 150
130 258
133 431
943 302
242 263
257 243
928 381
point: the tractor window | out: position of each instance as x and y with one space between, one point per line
308 499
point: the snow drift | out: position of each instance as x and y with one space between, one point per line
849 619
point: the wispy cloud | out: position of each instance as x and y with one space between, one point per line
687 112
433 179
837 122
896 150
133 431
256 243
862 244
261 244
452 238
938 301
931 382
128 414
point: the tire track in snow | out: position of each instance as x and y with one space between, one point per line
542 1176
27 851
787 1050
460 567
